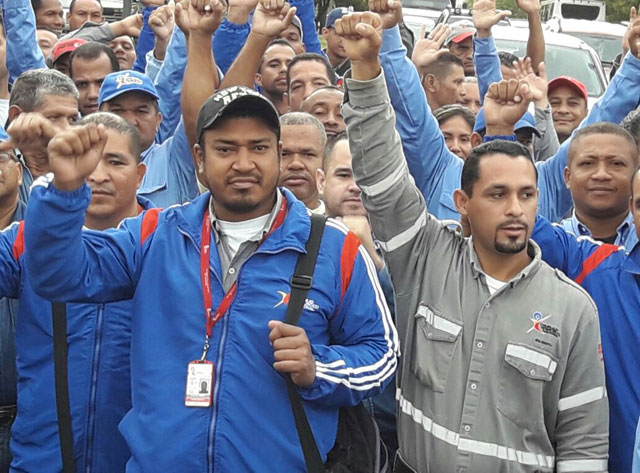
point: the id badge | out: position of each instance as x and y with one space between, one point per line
199 384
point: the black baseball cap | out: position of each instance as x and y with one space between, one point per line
233 99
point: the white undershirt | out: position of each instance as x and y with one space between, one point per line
494 285
236 233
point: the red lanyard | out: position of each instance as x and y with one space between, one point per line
205 250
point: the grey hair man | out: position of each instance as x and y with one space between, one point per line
303 141
43 102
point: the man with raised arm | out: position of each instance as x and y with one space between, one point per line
210 282
494 376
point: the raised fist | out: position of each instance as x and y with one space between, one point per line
74 154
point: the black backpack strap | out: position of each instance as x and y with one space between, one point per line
59 314
301 282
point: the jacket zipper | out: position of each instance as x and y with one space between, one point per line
219 361
94 382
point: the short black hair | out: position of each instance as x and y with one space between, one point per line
332 141
275 42
441 67
602 128
93 50
446 112
73 4
507 59
312 57
471 166
36 5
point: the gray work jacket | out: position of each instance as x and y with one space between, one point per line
509 382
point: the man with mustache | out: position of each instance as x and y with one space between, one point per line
89 64
99 334
272 73
494 376
303 142
602 160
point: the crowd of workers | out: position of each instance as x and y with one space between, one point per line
477 284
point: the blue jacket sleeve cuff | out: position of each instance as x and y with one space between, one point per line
631 61
391 40
234 27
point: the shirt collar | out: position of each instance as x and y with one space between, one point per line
533 250
622 231
258 236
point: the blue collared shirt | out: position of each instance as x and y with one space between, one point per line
171 176
625 233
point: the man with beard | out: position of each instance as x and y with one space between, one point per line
272 73
494 376
325 104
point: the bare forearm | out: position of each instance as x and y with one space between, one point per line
535 45
160 48
200 81
244 68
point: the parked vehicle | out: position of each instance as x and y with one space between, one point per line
593 10
605 38
565 55
422 12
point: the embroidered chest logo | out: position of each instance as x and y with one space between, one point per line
309 304
538 325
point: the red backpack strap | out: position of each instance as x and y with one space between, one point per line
18 244
596 258
347 260
149 224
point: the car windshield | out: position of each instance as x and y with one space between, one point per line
607 47
429 4
562 61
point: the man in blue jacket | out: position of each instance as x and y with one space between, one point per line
210 282
611 276
99 335
11 210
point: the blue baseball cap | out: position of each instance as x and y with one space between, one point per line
336 14
118 83
526 122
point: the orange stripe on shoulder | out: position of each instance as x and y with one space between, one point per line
149 224
347 260
596 258
18 244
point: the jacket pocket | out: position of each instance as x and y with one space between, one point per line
525 372
434 344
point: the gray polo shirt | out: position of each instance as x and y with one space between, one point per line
509 382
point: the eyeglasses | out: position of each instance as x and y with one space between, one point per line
7 157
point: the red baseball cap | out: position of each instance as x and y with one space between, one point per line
460 31
66 46
570 82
